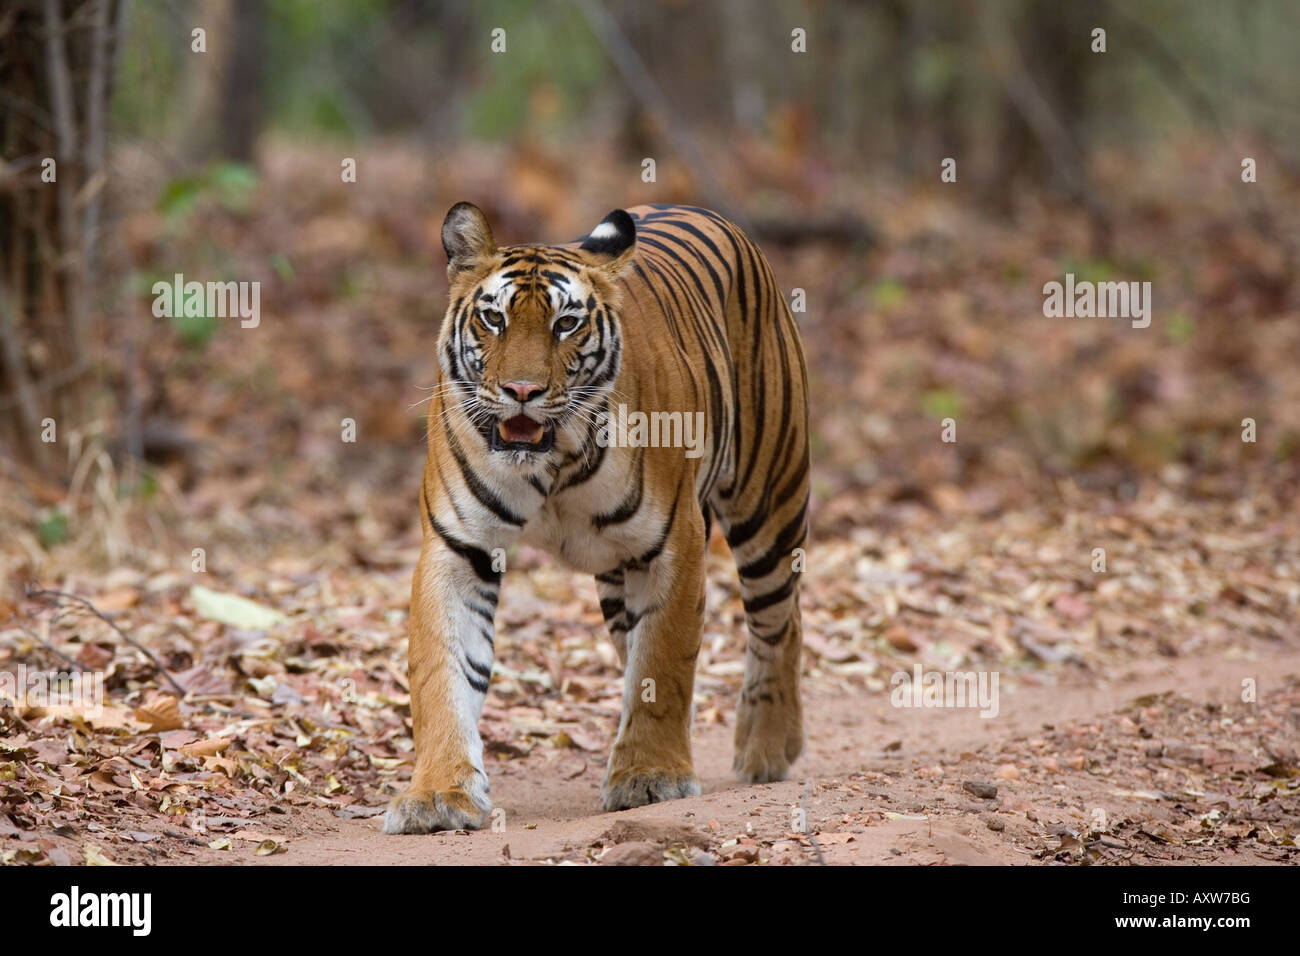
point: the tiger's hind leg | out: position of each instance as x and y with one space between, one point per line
768 548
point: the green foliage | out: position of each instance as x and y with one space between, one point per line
941 403
888 294
147 486
151 70
936 69
1180 327
195 331
526 85
230 184
52 529
1089 270
283 267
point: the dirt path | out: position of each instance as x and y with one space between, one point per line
1122 733
1075 750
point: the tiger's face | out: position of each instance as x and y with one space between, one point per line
532 343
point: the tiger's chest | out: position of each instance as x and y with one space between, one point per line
612 518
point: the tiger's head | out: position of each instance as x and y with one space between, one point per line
532 341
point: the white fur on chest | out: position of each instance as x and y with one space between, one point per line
565 525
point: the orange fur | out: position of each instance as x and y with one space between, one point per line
672 310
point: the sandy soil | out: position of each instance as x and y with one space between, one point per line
881 785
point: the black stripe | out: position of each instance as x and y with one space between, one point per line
478 683
484 612
484 671
785 541
631 504
663 538
478 558
762 602
485 495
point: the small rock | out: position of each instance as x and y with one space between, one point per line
1008 771
994 824
703 859
898 638
638 853
748 854
985 791
664 834
285 694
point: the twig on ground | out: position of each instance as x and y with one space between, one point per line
59 596
46 644
807 831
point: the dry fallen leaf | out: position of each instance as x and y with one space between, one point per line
96 857
160 712
206 748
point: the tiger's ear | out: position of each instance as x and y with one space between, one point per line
466 237
612 244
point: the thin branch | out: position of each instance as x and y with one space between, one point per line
96 103
15 365
807 830
50 383
652 98
60 81
1175 75
1024 94
46 644
65 121
59 596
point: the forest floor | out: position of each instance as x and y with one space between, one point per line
1099 537
1114 741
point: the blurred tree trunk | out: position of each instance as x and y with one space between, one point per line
241 87
1040 59
57 60
223 86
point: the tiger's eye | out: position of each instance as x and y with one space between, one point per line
567 324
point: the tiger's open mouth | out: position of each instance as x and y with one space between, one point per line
522 433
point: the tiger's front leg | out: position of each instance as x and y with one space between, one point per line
664 601
451 652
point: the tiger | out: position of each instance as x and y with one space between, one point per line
660 308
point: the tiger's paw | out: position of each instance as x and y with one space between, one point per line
766 744
637 786
427 811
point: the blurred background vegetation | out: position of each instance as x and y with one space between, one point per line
890 84
924 297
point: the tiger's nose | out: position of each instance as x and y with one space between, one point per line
523 391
